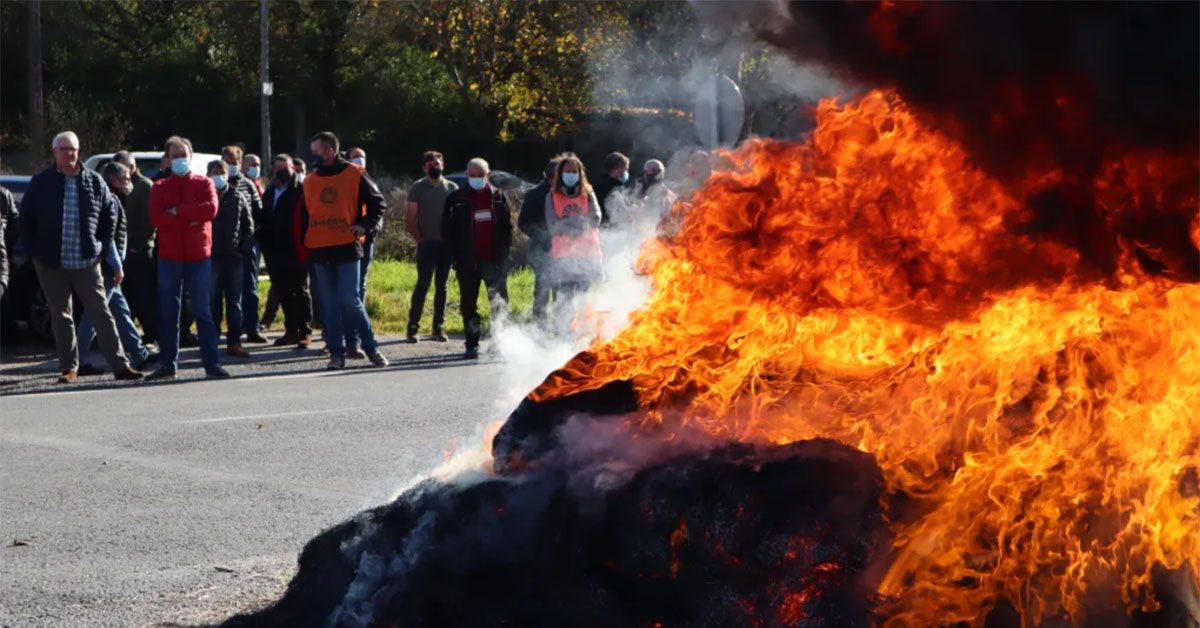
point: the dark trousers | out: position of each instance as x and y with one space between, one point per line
227 275
496 280
249 296
196 278
433 264
141 291
271 309
543 285
289 281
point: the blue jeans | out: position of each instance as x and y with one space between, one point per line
341 308
173 277
131 338
249 288
227 275
364 267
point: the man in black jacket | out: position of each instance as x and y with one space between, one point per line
277 236
141 268
478 228
232 241
233 158
616 175
68 218
532 222
8 219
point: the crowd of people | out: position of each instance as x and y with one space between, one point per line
185 249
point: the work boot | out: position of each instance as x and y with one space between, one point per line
472 353
68 377
354 353
237 351
411 338
128 375
216 372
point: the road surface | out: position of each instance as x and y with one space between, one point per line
181 503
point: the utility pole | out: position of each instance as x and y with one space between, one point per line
37 112
267 87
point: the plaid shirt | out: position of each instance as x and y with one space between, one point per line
72 257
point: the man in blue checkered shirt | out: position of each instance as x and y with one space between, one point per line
68 221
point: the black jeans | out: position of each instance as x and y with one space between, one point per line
289 280
496 280
141 291
433 264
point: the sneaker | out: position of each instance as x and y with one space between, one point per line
256 339
354 353
285 340
189 341
68 377
377 360
472 353
163 372
128 375
440 335
237 351
216 372
87 370
336 364
411 338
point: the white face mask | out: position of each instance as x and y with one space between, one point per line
362 161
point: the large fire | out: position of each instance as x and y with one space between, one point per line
872 285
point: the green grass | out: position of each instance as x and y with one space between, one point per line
389 291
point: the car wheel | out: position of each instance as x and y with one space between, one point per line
39 316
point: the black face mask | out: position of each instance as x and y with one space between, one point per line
283 176
653 178
435 172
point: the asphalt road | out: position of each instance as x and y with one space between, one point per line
181 503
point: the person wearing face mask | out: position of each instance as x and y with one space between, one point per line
653 195
282 250
232 242
116 175
532 222
140 287
477 227
182 207
252 170
573 221
300 168
426 202
68 221
232 156
358 157
616 175
334 226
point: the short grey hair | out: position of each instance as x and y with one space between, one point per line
124 158
479 162
114 169
656 164
65 135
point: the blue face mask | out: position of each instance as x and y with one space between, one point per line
361 161
233 170
219 181
570 179
477 183
252 172
624 178
181 166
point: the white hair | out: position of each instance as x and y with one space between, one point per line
654 162
479 162
65 135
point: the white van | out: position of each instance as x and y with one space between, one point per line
149 162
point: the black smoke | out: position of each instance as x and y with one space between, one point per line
1030 87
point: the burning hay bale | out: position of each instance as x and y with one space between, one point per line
736 536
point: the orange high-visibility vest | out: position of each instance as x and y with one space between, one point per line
581 245
333 207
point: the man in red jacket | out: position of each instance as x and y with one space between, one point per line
182 207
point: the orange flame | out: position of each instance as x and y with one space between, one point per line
863 286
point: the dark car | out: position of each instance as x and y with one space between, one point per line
24 303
